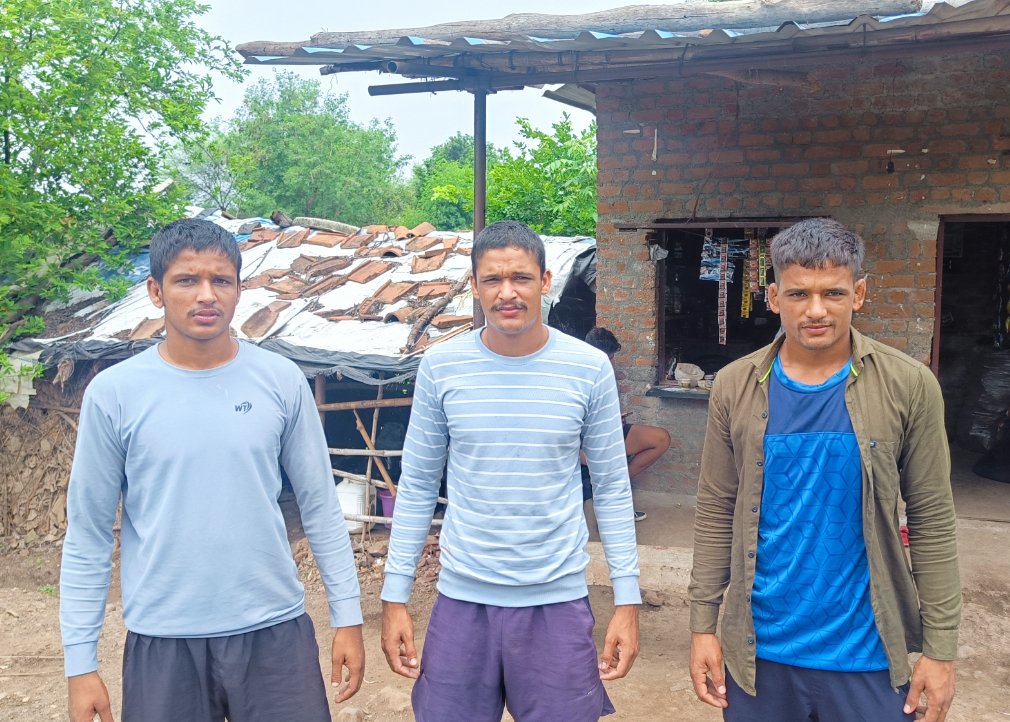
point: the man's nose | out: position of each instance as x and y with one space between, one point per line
815 309
205 292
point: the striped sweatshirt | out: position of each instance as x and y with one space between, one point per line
510 428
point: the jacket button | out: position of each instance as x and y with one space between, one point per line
873 444
750 555
750 641
760 463
754 509
764 414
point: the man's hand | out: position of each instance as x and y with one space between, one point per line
348 653
935 679
620 647
398 640
88 697
707 670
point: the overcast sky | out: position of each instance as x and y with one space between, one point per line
421 120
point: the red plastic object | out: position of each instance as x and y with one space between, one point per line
904 534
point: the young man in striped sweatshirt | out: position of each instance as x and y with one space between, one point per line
508 408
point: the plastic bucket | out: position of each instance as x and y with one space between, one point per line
388 502
352 501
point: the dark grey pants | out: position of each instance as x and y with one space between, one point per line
268 675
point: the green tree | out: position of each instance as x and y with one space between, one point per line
92 92
443 186
293 147
550 181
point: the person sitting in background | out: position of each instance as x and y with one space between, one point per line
643 444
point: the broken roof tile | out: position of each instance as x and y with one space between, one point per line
246 245
425 263
401 315
367 271
275 273
288 285
422 243
376 228
303 263
394 291
148 328
448 321
358 240
324 286
292 238
368 307
263 319
401 232
431 289
422 229
326 239
328 266
264 234
258 281
380 251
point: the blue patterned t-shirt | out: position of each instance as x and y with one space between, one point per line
811 595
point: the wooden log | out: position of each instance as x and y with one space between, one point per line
367 404
324 224
435 309
678 17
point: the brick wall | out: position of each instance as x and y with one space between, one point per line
725 149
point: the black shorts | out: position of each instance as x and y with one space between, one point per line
267 675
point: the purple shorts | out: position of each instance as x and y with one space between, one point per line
540 661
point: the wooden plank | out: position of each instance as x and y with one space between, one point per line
367 404
686 16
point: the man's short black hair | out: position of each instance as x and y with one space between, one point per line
603 339
508 234
192 234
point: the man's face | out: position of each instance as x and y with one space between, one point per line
509 286
199 293
816 305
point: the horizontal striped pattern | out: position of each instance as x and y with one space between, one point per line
508 430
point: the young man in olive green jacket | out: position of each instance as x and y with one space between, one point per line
809 446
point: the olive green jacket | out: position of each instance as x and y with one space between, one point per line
896 409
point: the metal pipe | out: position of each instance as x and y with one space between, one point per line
479 180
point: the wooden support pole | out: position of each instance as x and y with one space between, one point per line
385 453
367 404
378 462
319 386
367 518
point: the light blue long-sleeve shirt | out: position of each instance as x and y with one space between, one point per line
196 458
510 428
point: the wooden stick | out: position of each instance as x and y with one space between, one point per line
435 309
367 452
320 391
371 459
378 462
444 337
380 519
367 404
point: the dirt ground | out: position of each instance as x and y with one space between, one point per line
32 687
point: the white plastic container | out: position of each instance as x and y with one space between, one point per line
351 495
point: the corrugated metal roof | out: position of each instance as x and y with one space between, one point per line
516 54
322 304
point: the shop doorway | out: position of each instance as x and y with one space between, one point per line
971 341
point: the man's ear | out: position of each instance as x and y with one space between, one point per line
859 296
546 283
773 297
154 292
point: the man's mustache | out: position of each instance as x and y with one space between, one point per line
511 304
